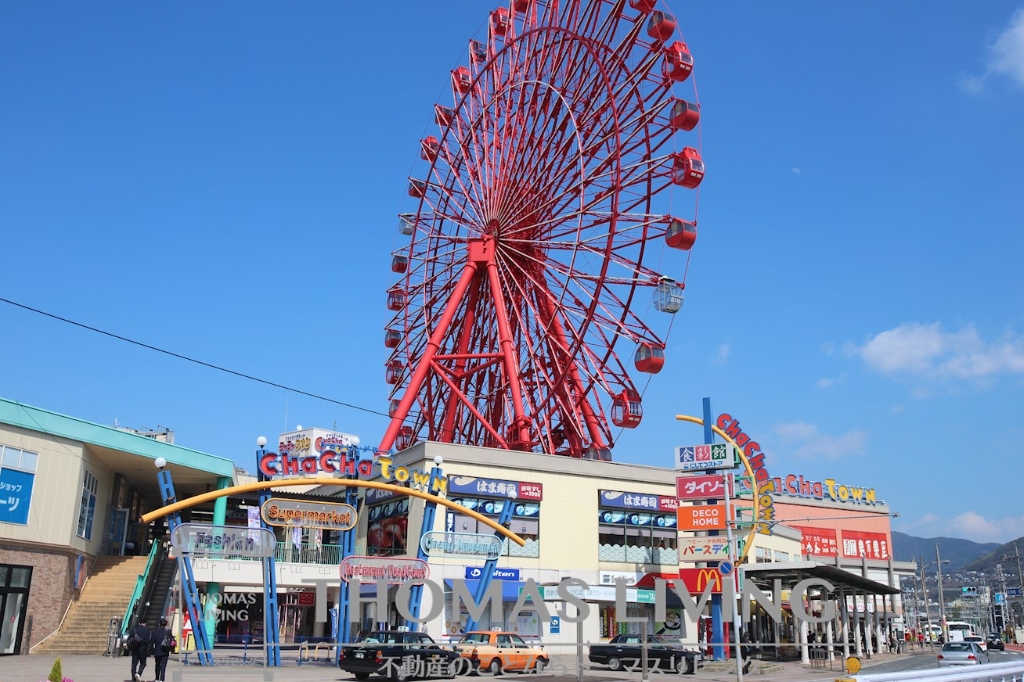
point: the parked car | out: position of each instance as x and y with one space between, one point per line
624 651
994 641
398 655
980 641
499 651
961 653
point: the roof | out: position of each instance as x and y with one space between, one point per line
130 454
792 572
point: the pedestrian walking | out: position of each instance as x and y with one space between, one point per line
163 644
920 641
138 644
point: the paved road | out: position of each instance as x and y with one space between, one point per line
563 669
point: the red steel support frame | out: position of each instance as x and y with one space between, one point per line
481 253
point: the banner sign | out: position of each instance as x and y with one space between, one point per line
203 540
703 549
329 515
475 572
495 487
696 579
597 593
437 543
701 487
818 541
616 499
858 544
358 569
702 517
706 457
796 486
15 495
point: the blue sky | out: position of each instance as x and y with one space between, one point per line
222 181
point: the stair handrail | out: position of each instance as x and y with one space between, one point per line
140 584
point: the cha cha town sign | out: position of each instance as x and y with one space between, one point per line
797 486
346 461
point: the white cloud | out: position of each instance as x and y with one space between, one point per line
927 350
1007 53
722 354
1005 57
970 525
794 170
826 383
805 441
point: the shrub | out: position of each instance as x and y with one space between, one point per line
55 672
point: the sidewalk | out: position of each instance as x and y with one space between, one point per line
563 669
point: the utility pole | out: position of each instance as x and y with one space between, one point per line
927 610
942 601
1008 612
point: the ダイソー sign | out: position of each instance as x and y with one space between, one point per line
699 487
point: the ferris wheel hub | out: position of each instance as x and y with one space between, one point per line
481 250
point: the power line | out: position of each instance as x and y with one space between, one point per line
188 359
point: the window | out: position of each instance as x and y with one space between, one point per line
525 523
639 537
781 556
87 509
762 555
388 526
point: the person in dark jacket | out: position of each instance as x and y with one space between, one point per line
159 655
138 643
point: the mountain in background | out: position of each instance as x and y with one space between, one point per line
960 552
987 562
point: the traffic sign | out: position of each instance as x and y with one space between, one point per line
1013 592
556 625
725 567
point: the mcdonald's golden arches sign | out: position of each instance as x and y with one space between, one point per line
696 579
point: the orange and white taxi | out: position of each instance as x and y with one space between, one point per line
497 651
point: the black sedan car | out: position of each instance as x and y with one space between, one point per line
994 641
398 655
623 651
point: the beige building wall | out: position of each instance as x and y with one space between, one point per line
57 491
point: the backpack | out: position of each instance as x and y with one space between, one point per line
169 644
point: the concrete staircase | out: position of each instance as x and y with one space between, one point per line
105 596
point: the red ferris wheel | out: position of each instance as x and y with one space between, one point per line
535 250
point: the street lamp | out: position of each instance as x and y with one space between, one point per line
942 602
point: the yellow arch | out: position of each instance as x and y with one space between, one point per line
750 472
327 480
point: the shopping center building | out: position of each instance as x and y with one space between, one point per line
71 494
84 486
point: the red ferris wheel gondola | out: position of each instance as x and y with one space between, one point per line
530 249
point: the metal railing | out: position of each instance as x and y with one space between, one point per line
140 585
1001 672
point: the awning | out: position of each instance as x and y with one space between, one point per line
509 588
646 582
